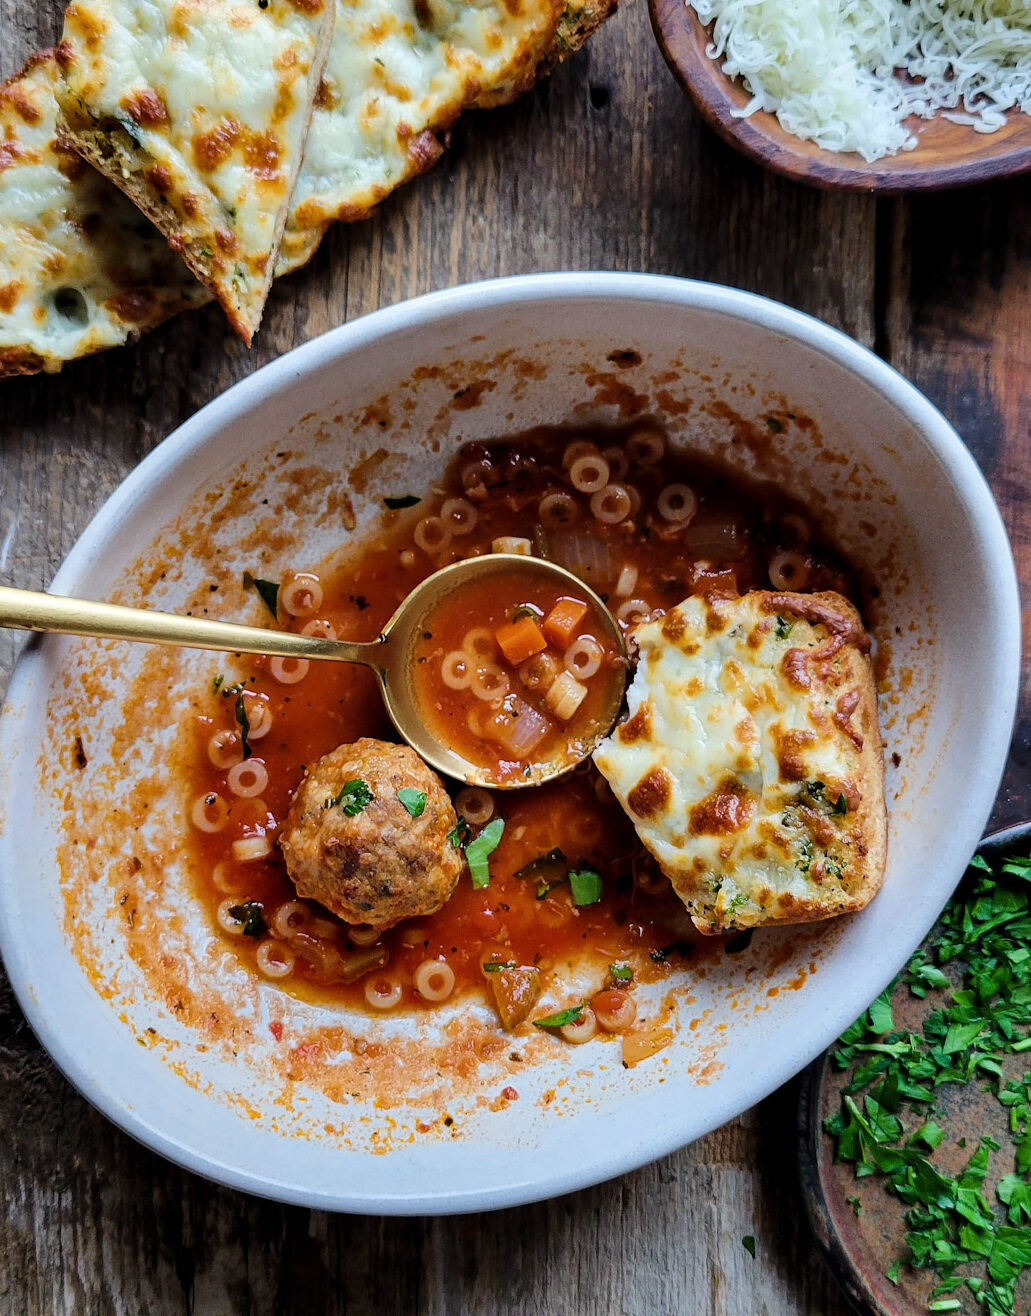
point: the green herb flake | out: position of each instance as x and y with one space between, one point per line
495 966
414 801
268 591
784 628
620 972
586 886
243 722
561 1017
748 1243
460 834
251 915
477 852
352 797
216 682
396 504
840 806
774 424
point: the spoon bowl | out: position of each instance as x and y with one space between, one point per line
391 656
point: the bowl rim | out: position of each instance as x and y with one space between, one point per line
497 295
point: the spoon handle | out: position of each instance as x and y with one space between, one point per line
30 610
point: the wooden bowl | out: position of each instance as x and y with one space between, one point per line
947 154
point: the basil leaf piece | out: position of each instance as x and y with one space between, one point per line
460 834
251 915
352 797
586 886
267 589
561 1017
478 851
243 723
414 801
406 500
620 972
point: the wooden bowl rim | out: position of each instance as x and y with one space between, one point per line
677 29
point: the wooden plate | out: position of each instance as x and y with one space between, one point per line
947 154
859 1248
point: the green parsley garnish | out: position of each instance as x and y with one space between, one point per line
585 886
784 627
406 500
561 1017
479 851
971 1235
352 797
495 966
460 833
413 800
748 1243
267 589
620 972
251 915
244 724
840 806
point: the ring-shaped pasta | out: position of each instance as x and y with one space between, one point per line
302 595
224 879
489 683
288 671
290 917
633 611
577 448
583 658
251 848
434 980
275 960
259 717
456 669
479 642
209 812
611 504
788 570
317 626
459 516
383 991
431 535
589 473
677 502
248 778
614 1010
646 445
557 508
325 929
618 463
224 749
362 935
475 805
797 528
582 1029
233 926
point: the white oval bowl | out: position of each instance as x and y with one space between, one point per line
900 488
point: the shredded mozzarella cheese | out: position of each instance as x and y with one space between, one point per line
827 68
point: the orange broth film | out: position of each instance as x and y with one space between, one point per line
559 877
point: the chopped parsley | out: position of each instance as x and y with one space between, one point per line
585 886
784 627
620 972
251 915
243 722
460 833
267 589
477 852
973 1231
561 1017
840 806
414 801
406 500
495 966
352 797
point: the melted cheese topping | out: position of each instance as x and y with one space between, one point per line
80 268
750 762
399 74
202 109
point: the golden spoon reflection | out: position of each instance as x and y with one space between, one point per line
390 656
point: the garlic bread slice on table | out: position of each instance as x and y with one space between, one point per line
199 110
80 268
751 762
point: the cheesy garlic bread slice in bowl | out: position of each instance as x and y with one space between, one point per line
80 268
199 110
751 761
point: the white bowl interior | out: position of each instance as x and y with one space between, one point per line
398 391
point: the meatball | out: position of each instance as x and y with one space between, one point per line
352 845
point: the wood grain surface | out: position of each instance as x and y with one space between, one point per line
946 155
603 166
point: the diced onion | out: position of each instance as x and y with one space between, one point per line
512 544
250 848
565 696
585 554
627 581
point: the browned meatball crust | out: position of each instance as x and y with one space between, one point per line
379 864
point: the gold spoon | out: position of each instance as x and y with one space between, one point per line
390 656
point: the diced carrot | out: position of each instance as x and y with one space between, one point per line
561 622
519 640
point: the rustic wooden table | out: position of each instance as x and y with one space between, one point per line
603 166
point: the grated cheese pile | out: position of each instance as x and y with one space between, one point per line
826 68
